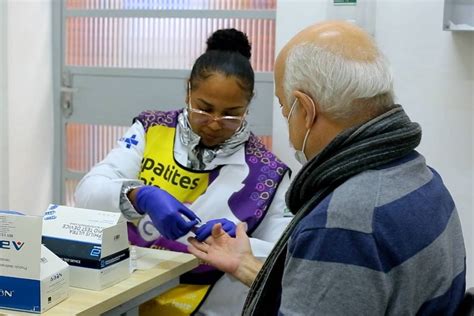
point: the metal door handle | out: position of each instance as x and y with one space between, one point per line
66 100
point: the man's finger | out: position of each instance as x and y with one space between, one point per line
241 230
217 231
197 253
198 245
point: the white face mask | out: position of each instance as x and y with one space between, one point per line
299 154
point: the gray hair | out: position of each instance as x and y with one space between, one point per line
342 87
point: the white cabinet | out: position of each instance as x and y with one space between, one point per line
458 15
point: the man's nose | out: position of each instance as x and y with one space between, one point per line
283 112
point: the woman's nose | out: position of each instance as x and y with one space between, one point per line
214 125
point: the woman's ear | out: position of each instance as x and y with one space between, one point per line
309 108
188 91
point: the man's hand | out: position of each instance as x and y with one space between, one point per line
230 255
165 212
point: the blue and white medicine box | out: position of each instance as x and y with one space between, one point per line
94 243
32 278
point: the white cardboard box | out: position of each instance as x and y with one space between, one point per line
94 243
32 278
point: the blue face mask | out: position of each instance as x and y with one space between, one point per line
299 154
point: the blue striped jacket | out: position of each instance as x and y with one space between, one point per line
386 242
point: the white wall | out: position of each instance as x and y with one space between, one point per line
3 108
30 108
434 81
292 16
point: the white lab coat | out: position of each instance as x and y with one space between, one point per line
101 189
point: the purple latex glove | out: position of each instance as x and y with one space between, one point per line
205 230
165 212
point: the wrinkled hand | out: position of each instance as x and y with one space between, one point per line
165 212
230 255
205 230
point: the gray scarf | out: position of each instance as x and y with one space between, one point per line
385 138
199 157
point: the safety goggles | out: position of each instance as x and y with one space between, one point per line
226 122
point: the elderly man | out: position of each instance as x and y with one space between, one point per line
375 230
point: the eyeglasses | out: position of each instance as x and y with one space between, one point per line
226 122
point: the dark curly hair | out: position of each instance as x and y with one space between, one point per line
228 52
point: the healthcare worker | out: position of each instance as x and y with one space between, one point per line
175 174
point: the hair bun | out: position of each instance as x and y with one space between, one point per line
230 40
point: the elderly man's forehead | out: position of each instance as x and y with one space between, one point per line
278 73
342 38
279 69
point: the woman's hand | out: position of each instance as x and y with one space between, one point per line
203 232
171 217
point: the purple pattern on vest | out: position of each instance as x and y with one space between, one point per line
266 172
151 118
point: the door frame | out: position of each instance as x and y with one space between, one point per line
57 44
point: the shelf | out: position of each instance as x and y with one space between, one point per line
458 15
459 29
155 73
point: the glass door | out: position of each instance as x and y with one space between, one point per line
120 57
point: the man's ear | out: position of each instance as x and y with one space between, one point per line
309 107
